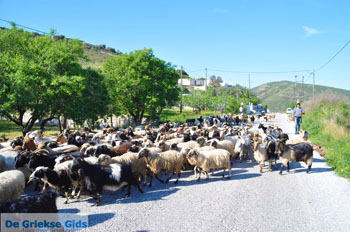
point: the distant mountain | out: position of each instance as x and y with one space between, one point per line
278 94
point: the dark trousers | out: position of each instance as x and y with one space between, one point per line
297 121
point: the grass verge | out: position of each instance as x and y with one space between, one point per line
174 115
326 126
10 130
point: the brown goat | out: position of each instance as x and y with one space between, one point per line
122 149
61 139
29 144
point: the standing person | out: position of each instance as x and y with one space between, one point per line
297 112
241 109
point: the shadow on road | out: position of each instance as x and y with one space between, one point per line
244 164
73 210
95 219
315 170
316 160
245 176
159 191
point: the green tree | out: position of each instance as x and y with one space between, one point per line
91 102
39 76
215 81
140 83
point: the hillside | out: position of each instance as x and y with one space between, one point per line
96 54
277 95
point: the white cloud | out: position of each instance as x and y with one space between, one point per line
220 10
310 31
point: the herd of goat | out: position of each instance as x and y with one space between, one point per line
88 162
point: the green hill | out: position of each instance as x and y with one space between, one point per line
278 94
96 54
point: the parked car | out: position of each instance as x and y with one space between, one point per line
259 110
289 111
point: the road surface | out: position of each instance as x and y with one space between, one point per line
249 201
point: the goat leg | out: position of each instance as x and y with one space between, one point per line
308 169
167 180
66 195
281 169
98 199
129 191
79 193
145 180
207 175
178 177
160 180
288 166
150 182
276 162
139 187
44 188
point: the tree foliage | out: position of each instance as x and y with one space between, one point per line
215 82
42 77
141 83
223 99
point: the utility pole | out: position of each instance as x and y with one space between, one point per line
181 90
249 88
206 86
313 84
206 79
295 87
303 88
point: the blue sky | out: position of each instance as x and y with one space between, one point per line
242 35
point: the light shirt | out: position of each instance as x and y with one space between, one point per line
297 112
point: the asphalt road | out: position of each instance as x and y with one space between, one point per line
249 201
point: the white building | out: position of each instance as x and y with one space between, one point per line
192 84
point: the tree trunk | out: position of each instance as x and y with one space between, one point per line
43 123
64 125
112 120
137 120
59 124
28 126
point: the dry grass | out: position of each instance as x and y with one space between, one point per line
324 98
332 128
9 130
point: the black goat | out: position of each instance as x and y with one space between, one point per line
18 141
271 150
59 180
39 159
296 153
40 203
111 177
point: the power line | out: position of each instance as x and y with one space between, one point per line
322 66
25 27
195 70
260 72
310 74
